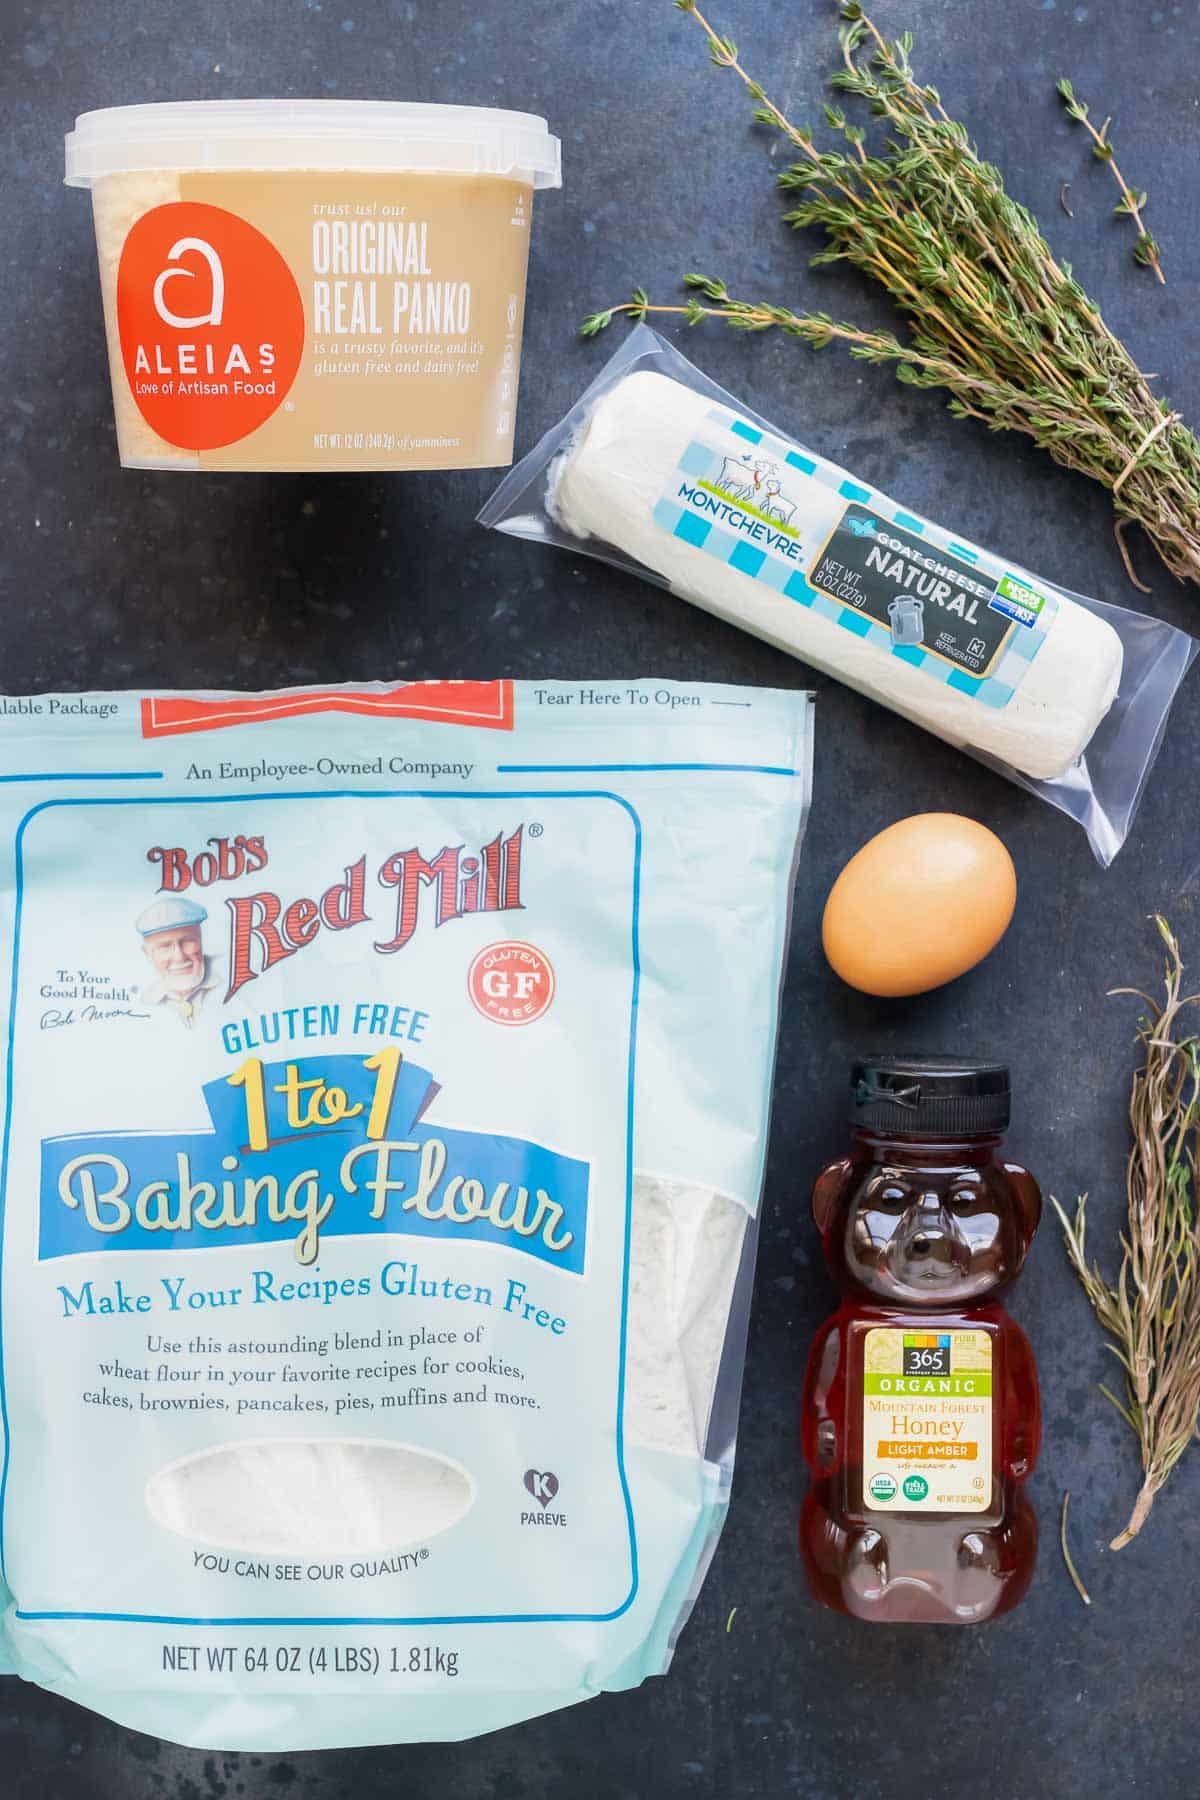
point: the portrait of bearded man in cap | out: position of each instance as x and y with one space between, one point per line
173 942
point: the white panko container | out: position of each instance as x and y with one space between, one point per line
313 284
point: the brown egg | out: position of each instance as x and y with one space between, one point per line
920 904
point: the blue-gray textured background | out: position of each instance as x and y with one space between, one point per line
112 579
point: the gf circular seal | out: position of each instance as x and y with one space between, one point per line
511 983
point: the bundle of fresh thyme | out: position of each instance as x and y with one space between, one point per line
995 318
1151 1313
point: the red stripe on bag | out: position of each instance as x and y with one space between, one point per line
488 704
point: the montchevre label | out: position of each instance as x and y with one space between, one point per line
927 1421
795 524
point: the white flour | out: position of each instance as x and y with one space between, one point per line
685 1250
310 1496
625 459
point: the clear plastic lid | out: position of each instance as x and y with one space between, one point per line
312 134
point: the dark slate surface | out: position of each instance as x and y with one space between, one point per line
113 579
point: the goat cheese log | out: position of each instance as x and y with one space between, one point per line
774 539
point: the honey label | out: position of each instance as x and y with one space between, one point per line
927 1421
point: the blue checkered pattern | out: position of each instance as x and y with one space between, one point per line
702 463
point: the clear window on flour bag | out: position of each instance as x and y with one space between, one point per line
659 471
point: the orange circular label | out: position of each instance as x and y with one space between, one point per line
511 983
211 324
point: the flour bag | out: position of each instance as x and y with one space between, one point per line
387 1097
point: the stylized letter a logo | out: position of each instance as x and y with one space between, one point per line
217 307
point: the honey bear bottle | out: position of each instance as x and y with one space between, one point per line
921 1417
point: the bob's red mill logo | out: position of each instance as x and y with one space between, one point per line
266 930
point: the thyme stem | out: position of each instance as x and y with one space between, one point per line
1146 250
1068 1559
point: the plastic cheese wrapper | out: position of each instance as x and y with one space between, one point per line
387 1098
659 471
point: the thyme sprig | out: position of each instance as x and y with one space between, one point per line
1132 202
994 318
1151 1312
1064 1546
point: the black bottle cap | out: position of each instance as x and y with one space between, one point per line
929 1096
